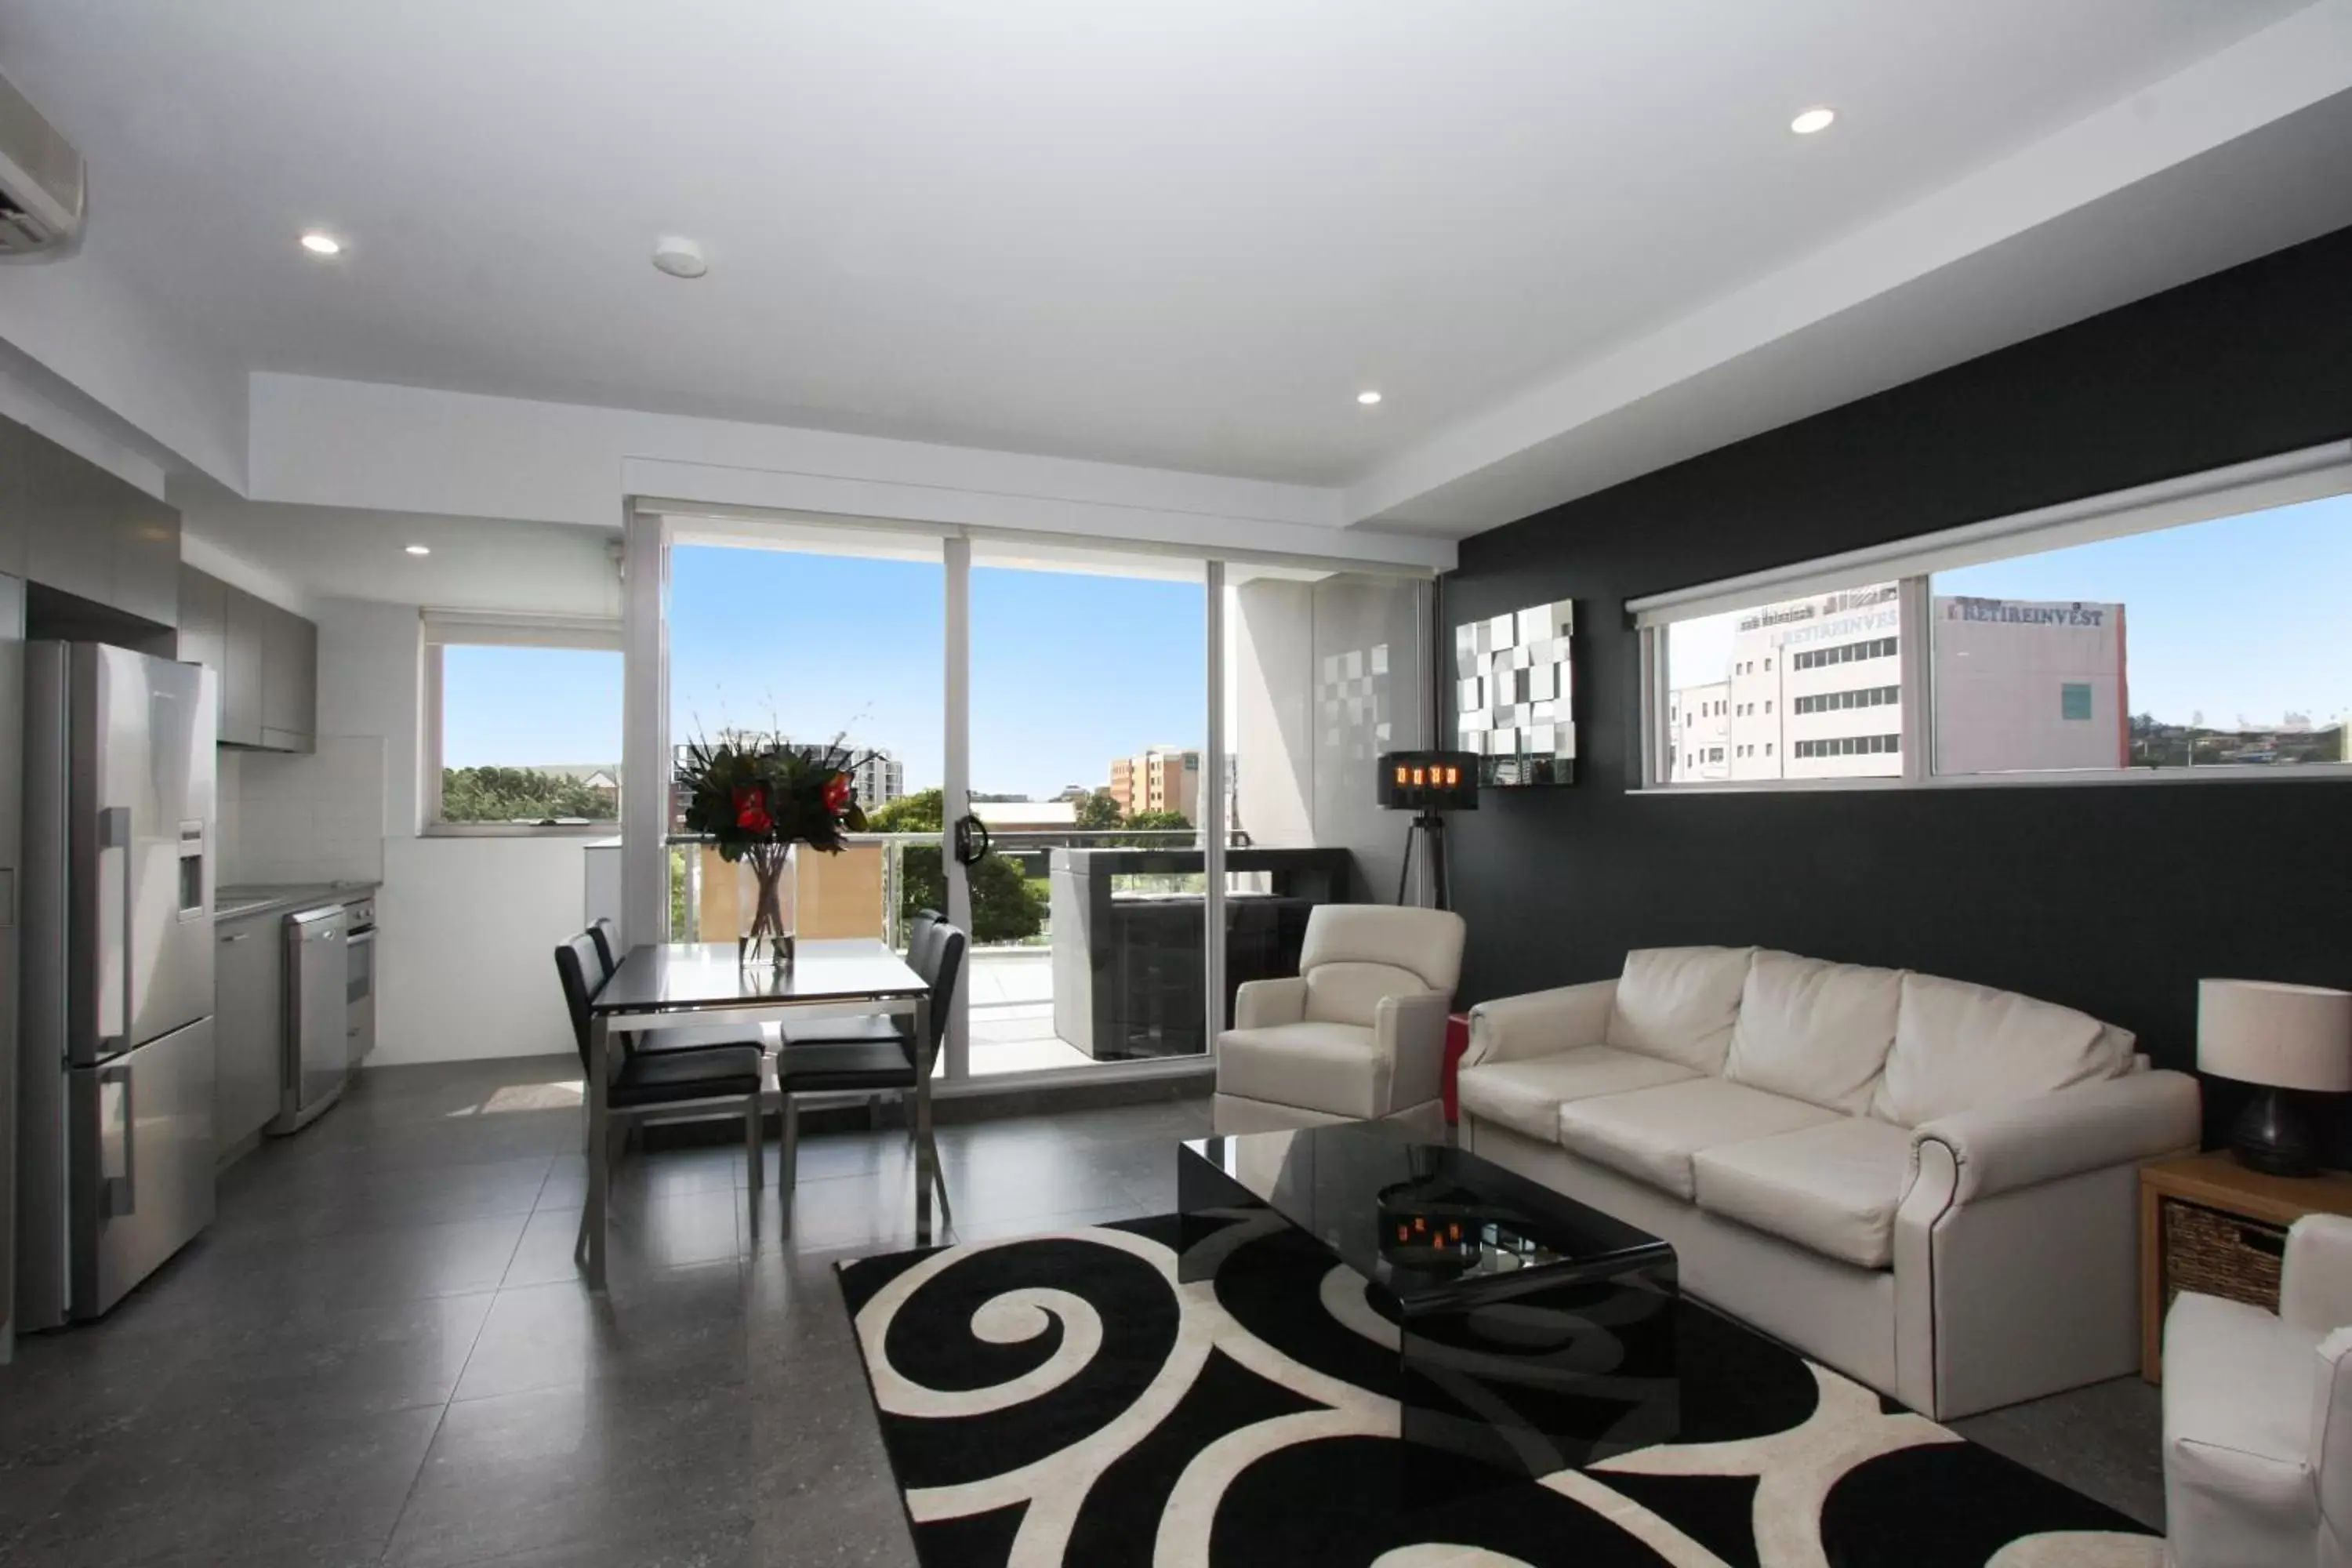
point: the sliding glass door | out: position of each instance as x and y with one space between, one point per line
1088 747
1090 757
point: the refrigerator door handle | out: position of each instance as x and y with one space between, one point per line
117 1195
114 833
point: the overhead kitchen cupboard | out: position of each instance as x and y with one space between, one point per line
267 659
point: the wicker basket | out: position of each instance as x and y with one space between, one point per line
2222 1255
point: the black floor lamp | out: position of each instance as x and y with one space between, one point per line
1428 785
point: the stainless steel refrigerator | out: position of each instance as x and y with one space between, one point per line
115 1080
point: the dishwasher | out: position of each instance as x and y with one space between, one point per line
317 1014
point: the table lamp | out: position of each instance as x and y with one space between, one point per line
2285 1040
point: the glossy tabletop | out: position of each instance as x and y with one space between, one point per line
1429 1222
672 976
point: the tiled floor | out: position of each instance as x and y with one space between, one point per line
381 1353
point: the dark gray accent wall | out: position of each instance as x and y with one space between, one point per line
2111 899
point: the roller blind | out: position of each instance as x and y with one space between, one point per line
521 631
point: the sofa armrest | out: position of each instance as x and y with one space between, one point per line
2114 1121
1263 1004
1539 1024
2316 1282
1411 1029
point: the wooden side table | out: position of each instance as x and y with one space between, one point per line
2207 1223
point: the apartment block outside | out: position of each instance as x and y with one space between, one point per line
1163 778
1815 689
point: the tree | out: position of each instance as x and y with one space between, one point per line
1004 907
1097 810
518 795
1145 820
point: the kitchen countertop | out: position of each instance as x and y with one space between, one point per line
246 902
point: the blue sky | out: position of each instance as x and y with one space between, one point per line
2243 616
1068 670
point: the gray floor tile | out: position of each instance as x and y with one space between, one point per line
385 1346
233 1482
682 1328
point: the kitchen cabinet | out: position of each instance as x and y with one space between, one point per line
290 681
249 1028
204 630
11 498
266 658
94 536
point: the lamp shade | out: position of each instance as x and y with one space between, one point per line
2288 1037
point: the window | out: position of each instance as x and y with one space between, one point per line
522 726
2194 625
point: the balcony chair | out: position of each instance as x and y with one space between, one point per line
860 1064
648 1084
2258 1415
1359 1036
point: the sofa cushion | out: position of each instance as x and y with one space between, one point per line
1652 1133
1958 1046
1331 1068
1679 1002
1832 1188
1349 993
1426 942
1525 1096
1817 1032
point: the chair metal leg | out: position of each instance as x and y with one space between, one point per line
940 1178
789 1155
751 1148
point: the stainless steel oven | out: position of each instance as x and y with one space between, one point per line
359 951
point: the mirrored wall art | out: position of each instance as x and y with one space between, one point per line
1513 699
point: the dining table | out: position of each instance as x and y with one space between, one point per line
703 985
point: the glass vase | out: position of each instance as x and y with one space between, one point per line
764 891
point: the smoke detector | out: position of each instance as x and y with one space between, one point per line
679 258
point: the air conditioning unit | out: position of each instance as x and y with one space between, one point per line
40 180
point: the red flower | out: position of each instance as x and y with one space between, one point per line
837 794
751 809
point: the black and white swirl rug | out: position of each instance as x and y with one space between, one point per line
1062 1399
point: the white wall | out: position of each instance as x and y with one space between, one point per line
311 818
468 925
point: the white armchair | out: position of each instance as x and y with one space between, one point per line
2258 1415
1359 1036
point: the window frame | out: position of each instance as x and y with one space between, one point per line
440 629
2290 479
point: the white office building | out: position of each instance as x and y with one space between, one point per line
1815 689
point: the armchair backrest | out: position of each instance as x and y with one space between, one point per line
1354 955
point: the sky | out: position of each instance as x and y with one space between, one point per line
1069 669
2241 616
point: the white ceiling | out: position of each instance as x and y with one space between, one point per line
1175 234
477 564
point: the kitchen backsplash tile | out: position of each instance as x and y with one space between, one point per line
315 818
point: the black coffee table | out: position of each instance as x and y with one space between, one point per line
1534 1333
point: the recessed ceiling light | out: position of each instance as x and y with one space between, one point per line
679 258
319 243
1368 398
420 550
1812 119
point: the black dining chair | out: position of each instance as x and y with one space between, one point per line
661 1083
606 936
868 1066
924 932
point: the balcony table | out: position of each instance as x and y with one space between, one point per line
664 985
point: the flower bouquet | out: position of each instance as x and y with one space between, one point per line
755 796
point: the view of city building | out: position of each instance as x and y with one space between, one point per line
1813 689
1162 778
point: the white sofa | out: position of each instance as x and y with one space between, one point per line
1930 1185
2258 1415
1359 1036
